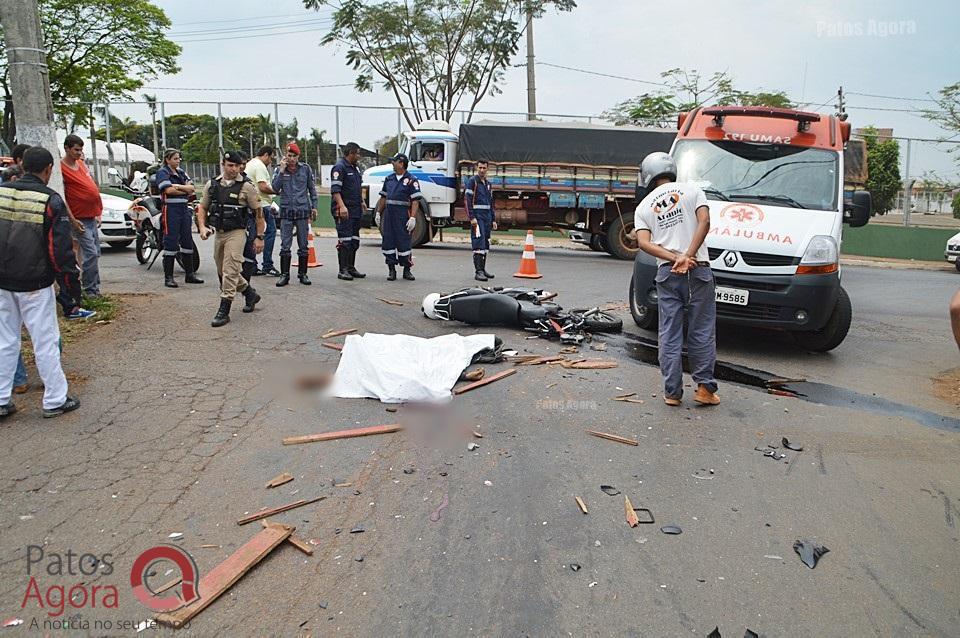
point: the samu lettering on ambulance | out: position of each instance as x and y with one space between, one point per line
55 598
757 137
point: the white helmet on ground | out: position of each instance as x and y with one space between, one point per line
657 165
428 304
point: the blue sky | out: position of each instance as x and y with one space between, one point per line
808 49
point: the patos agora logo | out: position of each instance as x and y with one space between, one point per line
185 594
744 215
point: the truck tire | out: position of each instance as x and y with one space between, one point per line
595 244
618 243
956 265
644 315
421 232
832 334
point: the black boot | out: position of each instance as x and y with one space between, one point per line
168 279
483 266
343 257
222 317
407 274
247 270
478 267
191 277
391 273
352 264
302 272
251 297
284 271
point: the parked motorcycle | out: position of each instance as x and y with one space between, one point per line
526 308
146 212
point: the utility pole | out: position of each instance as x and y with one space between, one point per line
531 78
841 104
30 79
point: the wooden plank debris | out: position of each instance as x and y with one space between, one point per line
613 437
286 477
540 360
332 346
392 302
632 519
293 540
337 333
581 504
483 382
343 434
215 582
629 400
276 510
590 364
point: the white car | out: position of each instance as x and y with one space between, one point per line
952 251
116 228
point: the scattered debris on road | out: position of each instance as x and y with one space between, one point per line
477 434
575 566
790 446
286 477
590 364
613 437
632 519
12 622
392 302
537 361
276 510
337 333
671 529
218 580
293 540
581 504
609 490
343 434
175 536
483 382
358 529
809 552
473 375
332 346
472 446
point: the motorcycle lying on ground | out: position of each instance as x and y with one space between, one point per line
526 308
146 212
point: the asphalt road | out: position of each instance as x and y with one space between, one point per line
181 424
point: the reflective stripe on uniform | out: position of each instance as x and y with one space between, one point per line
417 195
176 200
164 184
397 202
469 191
405 253
481 206
336 182
17 216
169 253
390 252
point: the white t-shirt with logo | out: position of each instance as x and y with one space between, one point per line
669 212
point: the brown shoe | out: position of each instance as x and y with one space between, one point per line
671 401
705 396
21 389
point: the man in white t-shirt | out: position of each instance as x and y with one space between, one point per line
260 172
671 223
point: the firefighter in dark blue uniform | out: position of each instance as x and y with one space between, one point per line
346 205
479 200
397 208
176 188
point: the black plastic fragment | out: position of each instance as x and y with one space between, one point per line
575 566
671 529
809 552
643 520
715 633
358 530
609 490
791 446
750 633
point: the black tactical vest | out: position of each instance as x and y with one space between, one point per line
225 212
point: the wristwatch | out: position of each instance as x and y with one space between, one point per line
260 237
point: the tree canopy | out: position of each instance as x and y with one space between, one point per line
883 168
96 50
434 56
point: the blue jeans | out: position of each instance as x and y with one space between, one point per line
269 238
691 295
89 242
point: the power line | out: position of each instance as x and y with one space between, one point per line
893 97
259 35
247 88
176 34
603 75
292 15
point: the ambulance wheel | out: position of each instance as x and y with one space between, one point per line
832 334
621 242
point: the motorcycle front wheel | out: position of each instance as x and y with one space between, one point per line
595 320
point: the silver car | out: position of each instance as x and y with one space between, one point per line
116 228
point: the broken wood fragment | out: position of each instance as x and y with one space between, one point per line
520 358
540 360
620 397
332 346
581 504
613 437
628 400
590 364
337 333
473 375
483 382
392 302
343 434
215 582
276 510
782 380
632 519
293 540
286 477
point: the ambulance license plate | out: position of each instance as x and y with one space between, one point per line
734 296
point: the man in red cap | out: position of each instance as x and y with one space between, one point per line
293 181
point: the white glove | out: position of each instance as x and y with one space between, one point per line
377 218
411 224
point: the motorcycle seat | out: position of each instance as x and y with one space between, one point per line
486 309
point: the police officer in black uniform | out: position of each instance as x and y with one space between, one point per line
346 205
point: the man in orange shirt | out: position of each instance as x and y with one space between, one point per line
83 199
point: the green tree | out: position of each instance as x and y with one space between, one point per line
96 50
883 168
432 55
183 126
947 113
685 90
387 146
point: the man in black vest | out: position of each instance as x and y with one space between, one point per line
228 201
36 244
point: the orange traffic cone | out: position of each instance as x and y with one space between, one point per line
528 262
312 261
